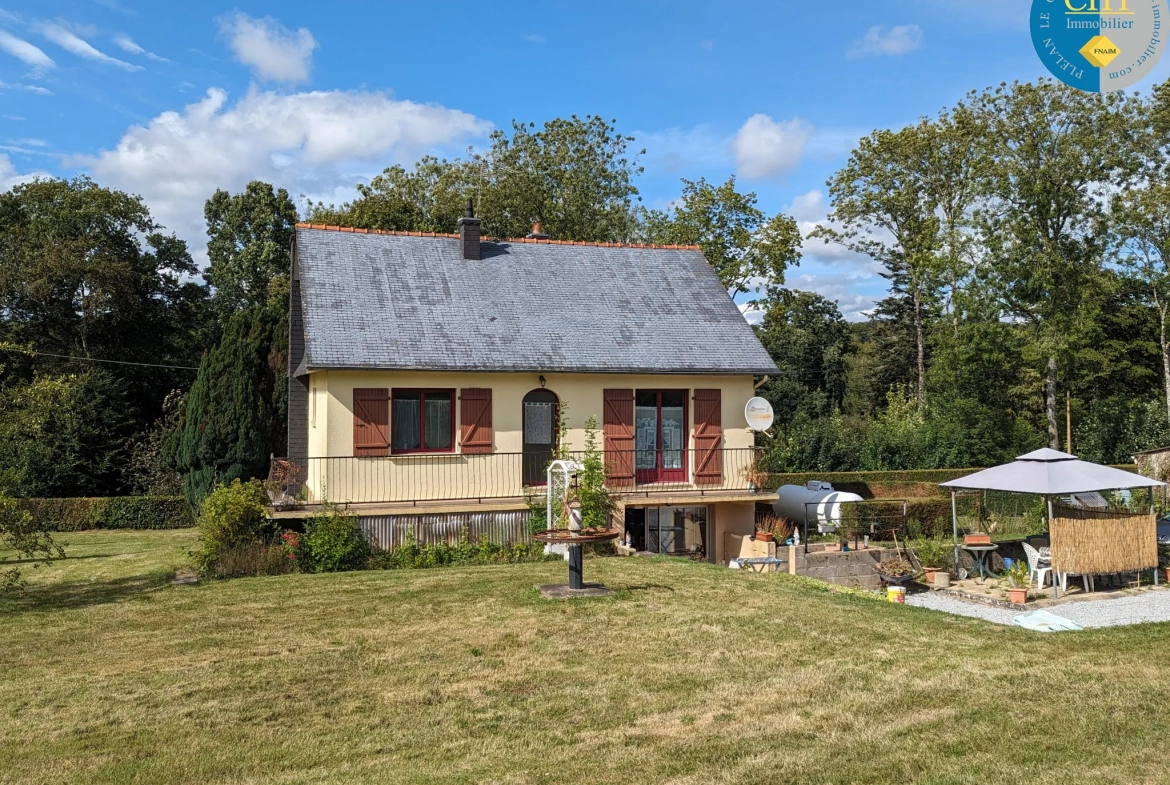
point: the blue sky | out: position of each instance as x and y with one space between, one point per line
171 100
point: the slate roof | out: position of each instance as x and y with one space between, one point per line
390 301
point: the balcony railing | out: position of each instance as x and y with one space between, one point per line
435 477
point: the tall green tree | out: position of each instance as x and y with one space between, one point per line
748 249
810 341
430 197
63 435
1056 152
885 211
249 242
576 176
230 424
86 272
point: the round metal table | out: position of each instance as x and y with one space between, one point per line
979 553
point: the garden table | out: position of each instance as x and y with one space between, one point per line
979 553
761 563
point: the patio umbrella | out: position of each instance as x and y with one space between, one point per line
1046 472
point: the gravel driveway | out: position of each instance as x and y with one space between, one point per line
1109 612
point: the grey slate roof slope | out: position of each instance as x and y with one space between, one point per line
374 301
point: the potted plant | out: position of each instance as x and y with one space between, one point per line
896 570
1018 580
772 527
934 556
755 476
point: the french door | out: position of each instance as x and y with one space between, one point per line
660 436
540 435
678 530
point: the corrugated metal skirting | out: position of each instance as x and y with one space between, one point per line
506 528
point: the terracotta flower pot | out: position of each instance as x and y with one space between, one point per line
930 573
1168 575
1018 596
764 536
977 539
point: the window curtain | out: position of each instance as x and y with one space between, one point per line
438 409
406 424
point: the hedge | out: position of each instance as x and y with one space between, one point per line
114 512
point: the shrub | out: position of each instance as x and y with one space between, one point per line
410 555
232 516
933 553
334 542
277 556
597 502
25 538
114 512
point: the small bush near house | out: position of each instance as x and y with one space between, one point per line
278 556
410 555
334 542
233 521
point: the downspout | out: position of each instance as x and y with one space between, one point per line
762 382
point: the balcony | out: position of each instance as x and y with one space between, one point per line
456 482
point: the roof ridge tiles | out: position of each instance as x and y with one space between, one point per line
532 240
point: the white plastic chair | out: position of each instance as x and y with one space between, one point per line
1036 568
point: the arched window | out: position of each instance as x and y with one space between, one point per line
540 434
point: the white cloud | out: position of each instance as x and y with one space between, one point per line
71 43
9 177
28 88
765 148
314 143
127 44
751 313
535 38
855 295
810 211
24 51
676 149
272 50
879 41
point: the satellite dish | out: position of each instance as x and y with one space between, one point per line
758 414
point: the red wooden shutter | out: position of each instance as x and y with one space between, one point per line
475 418
618 425
708 437
371 421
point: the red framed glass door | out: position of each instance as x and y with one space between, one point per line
660 436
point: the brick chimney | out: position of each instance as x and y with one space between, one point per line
536 233
469 234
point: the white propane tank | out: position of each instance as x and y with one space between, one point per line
823 504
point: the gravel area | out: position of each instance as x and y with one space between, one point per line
1106 612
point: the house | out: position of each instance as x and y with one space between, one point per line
431 374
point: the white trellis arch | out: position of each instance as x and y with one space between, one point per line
559 477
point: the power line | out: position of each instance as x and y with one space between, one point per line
35 352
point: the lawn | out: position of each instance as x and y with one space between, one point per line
692 674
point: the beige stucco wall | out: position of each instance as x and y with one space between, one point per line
331 428
732 518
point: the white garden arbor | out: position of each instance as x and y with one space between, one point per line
1082 541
